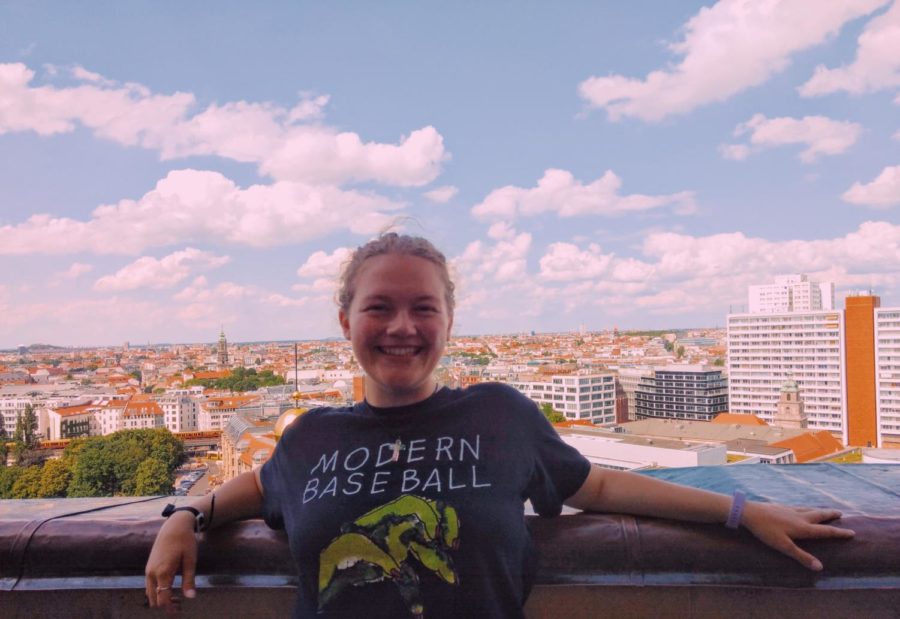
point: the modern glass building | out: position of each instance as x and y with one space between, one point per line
692 392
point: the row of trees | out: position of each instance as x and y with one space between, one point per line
241 379
126 463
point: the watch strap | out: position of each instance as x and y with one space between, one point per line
199 517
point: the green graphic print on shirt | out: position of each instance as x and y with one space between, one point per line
380 544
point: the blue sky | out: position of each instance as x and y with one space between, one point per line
169 168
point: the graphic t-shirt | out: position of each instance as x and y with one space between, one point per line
417 511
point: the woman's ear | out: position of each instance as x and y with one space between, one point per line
345 323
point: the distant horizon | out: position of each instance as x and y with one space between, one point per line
610 164
333 339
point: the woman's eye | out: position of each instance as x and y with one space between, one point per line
375 307
426 309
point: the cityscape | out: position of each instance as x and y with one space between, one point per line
794 380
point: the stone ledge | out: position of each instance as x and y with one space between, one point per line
91 552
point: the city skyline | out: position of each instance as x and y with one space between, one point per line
172 171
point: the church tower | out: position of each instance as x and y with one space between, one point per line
790 412
223 350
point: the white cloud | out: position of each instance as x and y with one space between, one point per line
877 62
75 270
321 264
261 133
208 307
727 48
310 107
675 275
821 135
735 152
504 261
191 206
317 154
149 272
558 191
82 74
442 195
280 300
883 192
565 262
501 230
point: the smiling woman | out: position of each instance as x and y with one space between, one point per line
411 502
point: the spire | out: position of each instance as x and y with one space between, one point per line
222 350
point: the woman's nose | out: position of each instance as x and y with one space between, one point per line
402 323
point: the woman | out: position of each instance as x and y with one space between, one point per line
410 503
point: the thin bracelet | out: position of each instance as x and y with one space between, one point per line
737 510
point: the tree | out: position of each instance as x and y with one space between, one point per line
26 428
93 473
719 362
552 415
8 477
680 352
152 477
110 465
25 435
55 478
28 484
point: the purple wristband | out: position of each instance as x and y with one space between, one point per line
736 511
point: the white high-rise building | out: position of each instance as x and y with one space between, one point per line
887 374
577 396
790 293
630 378
767 349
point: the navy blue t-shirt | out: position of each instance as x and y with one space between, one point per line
417 510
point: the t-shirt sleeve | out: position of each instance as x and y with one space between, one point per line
273 483
558 471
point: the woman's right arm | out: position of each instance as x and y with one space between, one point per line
175 548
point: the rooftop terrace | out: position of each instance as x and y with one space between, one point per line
85 557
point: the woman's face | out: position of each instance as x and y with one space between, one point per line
398 324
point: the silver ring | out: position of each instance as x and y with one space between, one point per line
158 589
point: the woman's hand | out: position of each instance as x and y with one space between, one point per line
174 551
779 525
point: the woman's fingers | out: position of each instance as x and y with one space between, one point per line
188 571
822 531
801 556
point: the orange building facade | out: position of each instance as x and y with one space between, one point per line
862 416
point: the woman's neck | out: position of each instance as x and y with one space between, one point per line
387 398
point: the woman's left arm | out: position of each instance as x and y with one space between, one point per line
776 525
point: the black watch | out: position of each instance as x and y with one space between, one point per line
200 523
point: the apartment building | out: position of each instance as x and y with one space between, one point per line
693 392
629 378
887 378
180 408
141 412
766 350
214 412
10 409
66 422
791 293
577 396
